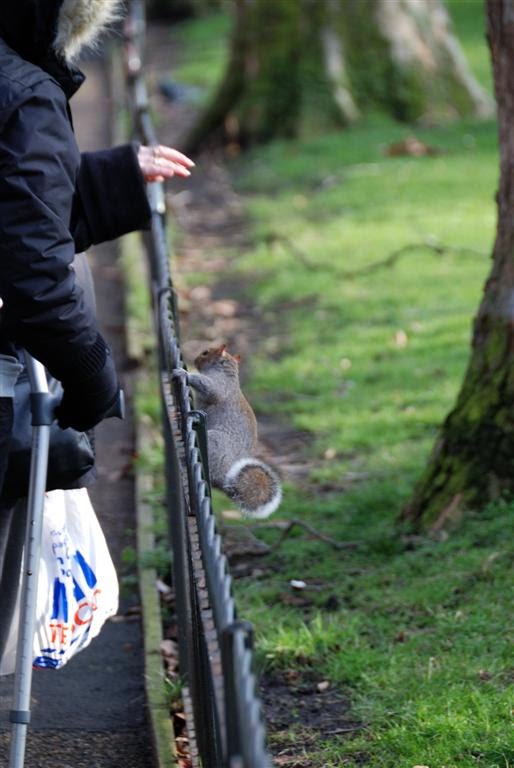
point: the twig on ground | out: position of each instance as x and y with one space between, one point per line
348 729
287 527
389 261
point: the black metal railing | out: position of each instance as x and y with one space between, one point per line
225 725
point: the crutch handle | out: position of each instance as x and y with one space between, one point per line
117 409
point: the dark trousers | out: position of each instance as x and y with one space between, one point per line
12 532
12 537
6 417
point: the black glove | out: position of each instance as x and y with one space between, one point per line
88 397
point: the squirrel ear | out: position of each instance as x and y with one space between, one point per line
223 350
238 358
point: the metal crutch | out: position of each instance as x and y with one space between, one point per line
42 407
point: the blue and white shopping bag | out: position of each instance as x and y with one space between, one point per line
78 587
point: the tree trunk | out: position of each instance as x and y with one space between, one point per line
258 95
304 66
473 460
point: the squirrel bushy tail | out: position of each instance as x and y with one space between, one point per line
254 486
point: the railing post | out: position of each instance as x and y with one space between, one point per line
232 693
200 427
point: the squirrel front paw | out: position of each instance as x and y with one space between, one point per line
179 373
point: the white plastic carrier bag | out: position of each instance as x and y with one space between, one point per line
77 585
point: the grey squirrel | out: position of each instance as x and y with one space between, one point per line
232 435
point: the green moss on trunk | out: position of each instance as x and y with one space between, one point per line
473 460
270 104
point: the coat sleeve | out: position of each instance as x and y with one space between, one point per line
110 198
44 308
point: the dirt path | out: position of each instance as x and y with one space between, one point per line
92 712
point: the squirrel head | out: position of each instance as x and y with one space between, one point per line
217 359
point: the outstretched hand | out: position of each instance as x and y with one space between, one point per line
160 162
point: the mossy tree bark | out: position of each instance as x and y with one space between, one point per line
473 460
310 65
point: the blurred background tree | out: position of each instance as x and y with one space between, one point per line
305 66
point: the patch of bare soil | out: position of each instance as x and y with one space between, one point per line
301 710
210 229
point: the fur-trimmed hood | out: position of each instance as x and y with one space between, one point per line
80 22
42 29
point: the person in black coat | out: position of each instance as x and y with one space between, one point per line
55 202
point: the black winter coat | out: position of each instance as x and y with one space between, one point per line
53 203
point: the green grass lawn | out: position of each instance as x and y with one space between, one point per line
418 631
370 364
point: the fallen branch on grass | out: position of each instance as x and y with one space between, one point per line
287 527
389 261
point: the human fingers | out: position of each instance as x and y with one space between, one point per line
159 163
161 167
170 161
173 155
